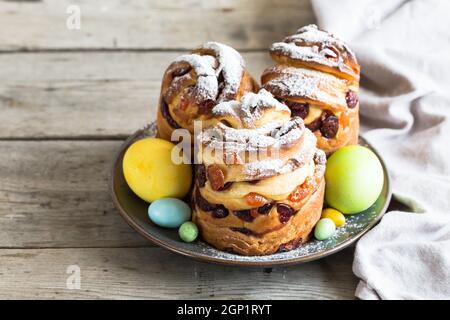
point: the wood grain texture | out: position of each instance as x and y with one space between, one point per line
52 95
153 273
143 24
54 194
59 86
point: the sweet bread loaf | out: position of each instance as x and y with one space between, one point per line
259 186
194 83
317 76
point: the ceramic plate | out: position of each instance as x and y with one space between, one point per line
134 211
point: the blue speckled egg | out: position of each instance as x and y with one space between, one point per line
169 212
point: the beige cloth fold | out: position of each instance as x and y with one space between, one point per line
404 51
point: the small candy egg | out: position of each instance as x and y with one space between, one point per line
337 217
188 231
169 212
324 229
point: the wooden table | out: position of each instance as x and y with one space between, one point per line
68 98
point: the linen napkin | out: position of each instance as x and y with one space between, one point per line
403 48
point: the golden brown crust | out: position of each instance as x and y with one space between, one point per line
346 135
315 70
287 147
307 86
259 187
193 84
164 128
254 110
313 48
266 234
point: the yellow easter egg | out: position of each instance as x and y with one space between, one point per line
337 217
150 172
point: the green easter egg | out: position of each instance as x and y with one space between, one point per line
188 231
324 229
354 179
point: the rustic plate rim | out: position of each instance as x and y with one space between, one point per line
223 261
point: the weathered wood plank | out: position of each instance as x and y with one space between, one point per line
54 194
142 24
136 273
85 94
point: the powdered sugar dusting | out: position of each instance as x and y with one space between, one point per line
313 45
265 168
219 63
207 85
251 107
228 108
311 33
234 143
290 84
231 65
310 84
307 153
310 54
202 65
273 135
